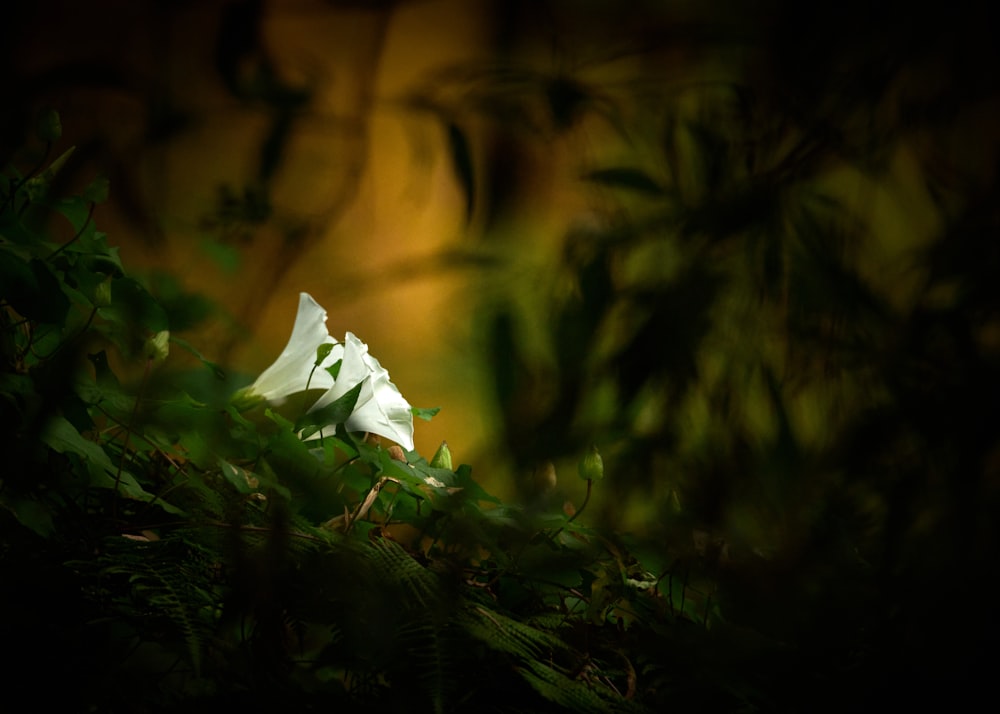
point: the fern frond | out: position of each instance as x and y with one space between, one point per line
430 657
169 581
169 596
416 581
505 634
574 695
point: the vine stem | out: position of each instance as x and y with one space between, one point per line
13 185
552 538
586 500
69 341
79 233
128 433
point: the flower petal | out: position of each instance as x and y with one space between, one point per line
294 368
380 408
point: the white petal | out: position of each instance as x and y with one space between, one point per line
380 408
353 370
293 369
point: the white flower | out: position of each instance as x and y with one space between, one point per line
380 408
296 367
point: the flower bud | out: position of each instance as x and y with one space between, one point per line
592 465
396 453
102 293
442 457
157 347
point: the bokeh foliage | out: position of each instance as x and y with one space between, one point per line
162 550
799 421
778 363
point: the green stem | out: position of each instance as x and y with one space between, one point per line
583 505
128 433
586 500
75 238
13 185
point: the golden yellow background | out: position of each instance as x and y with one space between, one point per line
366 181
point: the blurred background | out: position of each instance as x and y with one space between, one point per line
748 250
725 244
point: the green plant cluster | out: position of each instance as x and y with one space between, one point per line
162 550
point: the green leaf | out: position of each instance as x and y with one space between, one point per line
182 412
322 352
425 413
29 513
97 191
132 315
14 231
332 446
75 209
426 471
290 460
242 480
334 369
217 370
337 412
390 467
38 186
104 391
63 437
95 255
471 489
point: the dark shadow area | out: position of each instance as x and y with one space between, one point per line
752 257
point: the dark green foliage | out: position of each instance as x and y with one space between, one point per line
791 368
178 553
805 435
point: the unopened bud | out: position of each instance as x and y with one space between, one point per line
592 465
396 453
157 347
102 293
442 457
